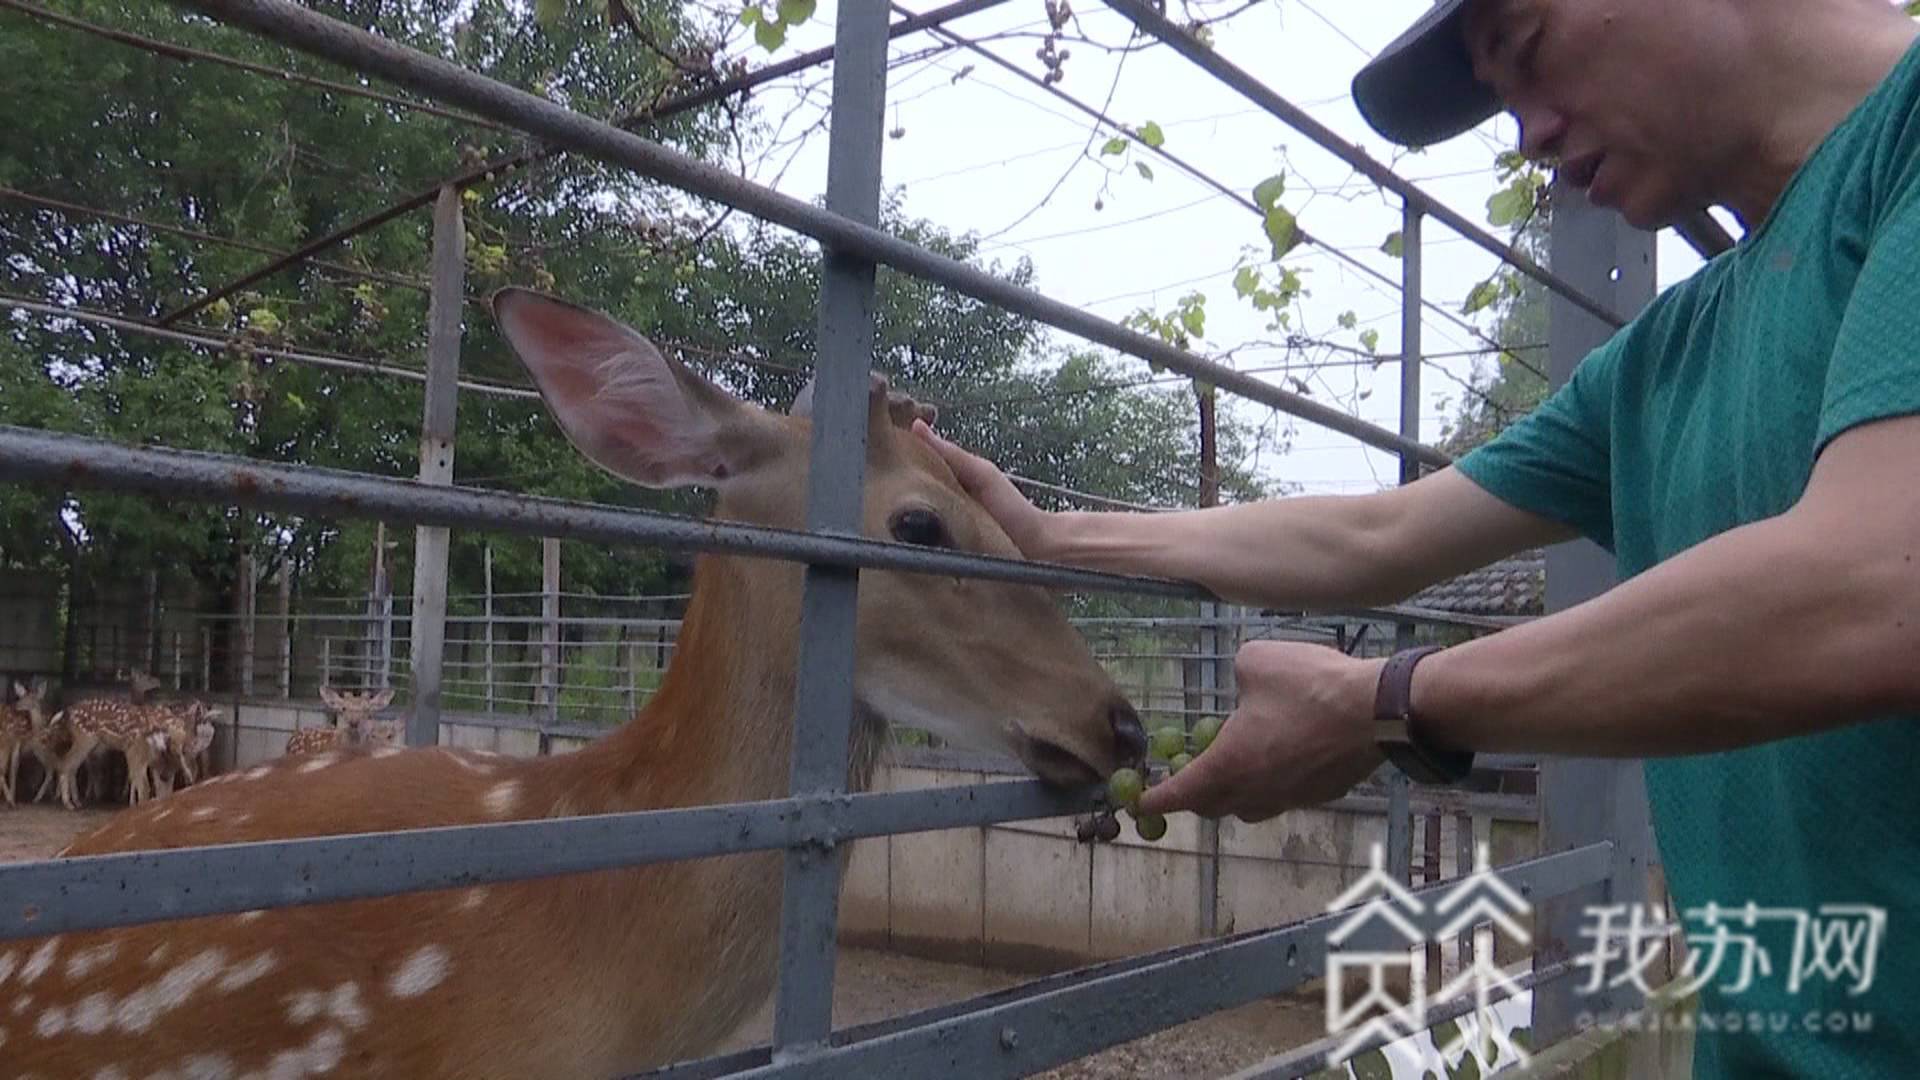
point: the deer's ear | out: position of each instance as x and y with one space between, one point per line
380 700
630 409
330 697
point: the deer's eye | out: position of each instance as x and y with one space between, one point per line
920 526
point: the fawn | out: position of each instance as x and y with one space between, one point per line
608 972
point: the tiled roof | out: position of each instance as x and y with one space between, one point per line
1514 586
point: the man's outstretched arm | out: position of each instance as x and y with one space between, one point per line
1787 626
1306 553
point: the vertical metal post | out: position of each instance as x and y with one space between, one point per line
150 645
326 660
206 659
809 916
286 629
1463 849
630 646
549 693
429 621
1586 800
1399 794
247 609
176 660
487 602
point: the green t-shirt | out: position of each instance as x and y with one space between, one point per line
1704 414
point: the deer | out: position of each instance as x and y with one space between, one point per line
354 724
609 972
187 730
102 725
24 727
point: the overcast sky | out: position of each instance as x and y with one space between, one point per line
979 153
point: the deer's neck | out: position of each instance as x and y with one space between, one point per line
720 726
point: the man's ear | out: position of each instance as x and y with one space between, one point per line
621 402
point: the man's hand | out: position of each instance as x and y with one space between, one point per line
1300 737
1026 524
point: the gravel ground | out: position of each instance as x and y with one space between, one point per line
873 985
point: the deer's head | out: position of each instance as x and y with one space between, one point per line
979 662
354 711
141 684
32 700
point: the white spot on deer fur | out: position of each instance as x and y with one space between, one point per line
501 798
257 772
304 1006
112 1072
460 759
248 973
22 1003
158 954
86 961
345 1006
165 813
205 812
384 751
321 1055
94 1014
142 1007
39 962
8 961
423 971
319 762
52 1022
207 1067
249 916
473 899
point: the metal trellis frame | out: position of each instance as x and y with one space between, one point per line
1012 1033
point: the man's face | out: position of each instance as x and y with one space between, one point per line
1617 93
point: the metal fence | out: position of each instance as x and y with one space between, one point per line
1592 846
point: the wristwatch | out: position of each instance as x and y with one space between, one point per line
1397 730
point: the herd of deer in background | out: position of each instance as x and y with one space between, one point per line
162 743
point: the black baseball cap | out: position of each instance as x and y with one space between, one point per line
1421 90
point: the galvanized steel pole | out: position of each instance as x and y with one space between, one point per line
810 903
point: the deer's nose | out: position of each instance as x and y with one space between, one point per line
1128 734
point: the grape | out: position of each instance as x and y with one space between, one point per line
1205 732
1151 827
1108 828
1125 786
1168 741
1178 762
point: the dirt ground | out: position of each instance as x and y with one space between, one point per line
871 985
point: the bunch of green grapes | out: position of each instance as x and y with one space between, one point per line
1169 744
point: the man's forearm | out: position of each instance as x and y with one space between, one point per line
1776 629
1306 553
1310 552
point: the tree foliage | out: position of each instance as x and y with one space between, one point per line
231 154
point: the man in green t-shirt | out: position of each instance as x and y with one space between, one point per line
1748 449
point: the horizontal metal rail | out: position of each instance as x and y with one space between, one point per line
320 35
74 461
99 891
1159 26
1042 1024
